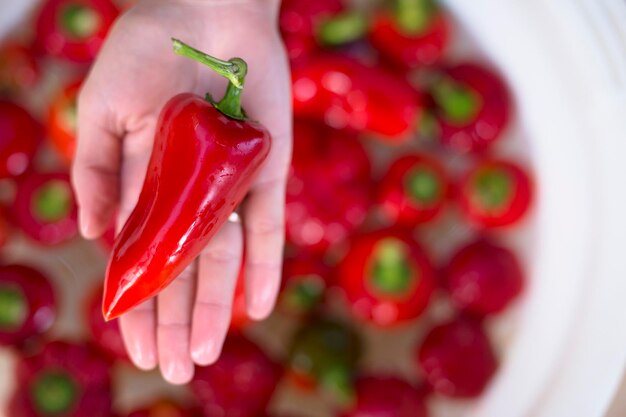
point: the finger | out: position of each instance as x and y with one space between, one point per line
95 172
174 306
219 267
139 335
265 235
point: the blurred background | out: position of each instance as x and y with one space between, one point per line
470 264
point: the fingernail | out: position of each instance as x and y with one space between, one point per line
205 354
262 303
84 223
178 372
144 360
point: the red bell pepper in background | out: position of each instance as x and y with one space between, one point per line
240 383
414 190
387 396
19 70
27 304
324 354
20 136
63 379
106 335
414 33
457 359
239 318
5 228
483 278
44 208
62 121
345 93
166 408
328 192
205 157
386 277
495 193
74 29
304 284
471 106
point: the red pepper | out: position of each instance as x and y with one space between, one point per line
324 354
414 34
5 228
20 136
386 277
74 29
105 334
471 107
328 193
19 70
304 284
345 93
62 120
239 318
44 208
205 157
457 358
63 379
414 190
239 384
27 304
483 278
166 408
495 193
387 396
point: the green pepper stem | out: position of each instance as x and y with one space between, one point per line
414 16
235 70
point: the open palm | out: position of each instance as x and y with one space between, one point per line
134 76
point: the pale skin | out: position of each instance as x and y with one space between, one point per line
135 74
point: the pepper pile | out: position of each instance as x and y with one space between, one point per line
401 205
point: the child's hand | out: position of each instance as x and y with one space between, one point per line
135 75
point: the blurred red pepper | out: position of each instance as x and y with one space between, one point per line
457 358
413 34
62 120
20 136
328 193
387 396
63 379
304 284
19 70
239 318
106 335
239 384
74 29
5 227
386 277
166 408
471 106
27 304
205 157
483 278
495 193
324 354
44 208
345 93
414 190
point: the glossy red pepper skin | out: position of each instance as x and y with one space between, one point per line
386 277
64 379
387 396
201 167
74 30
410 49
298 22
239 384
344 93
20 137
62 121
19 70
28 307
328 165
457 358
484 116
166 408
304 283
483 278
45 209
106 335
495 193
413 191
